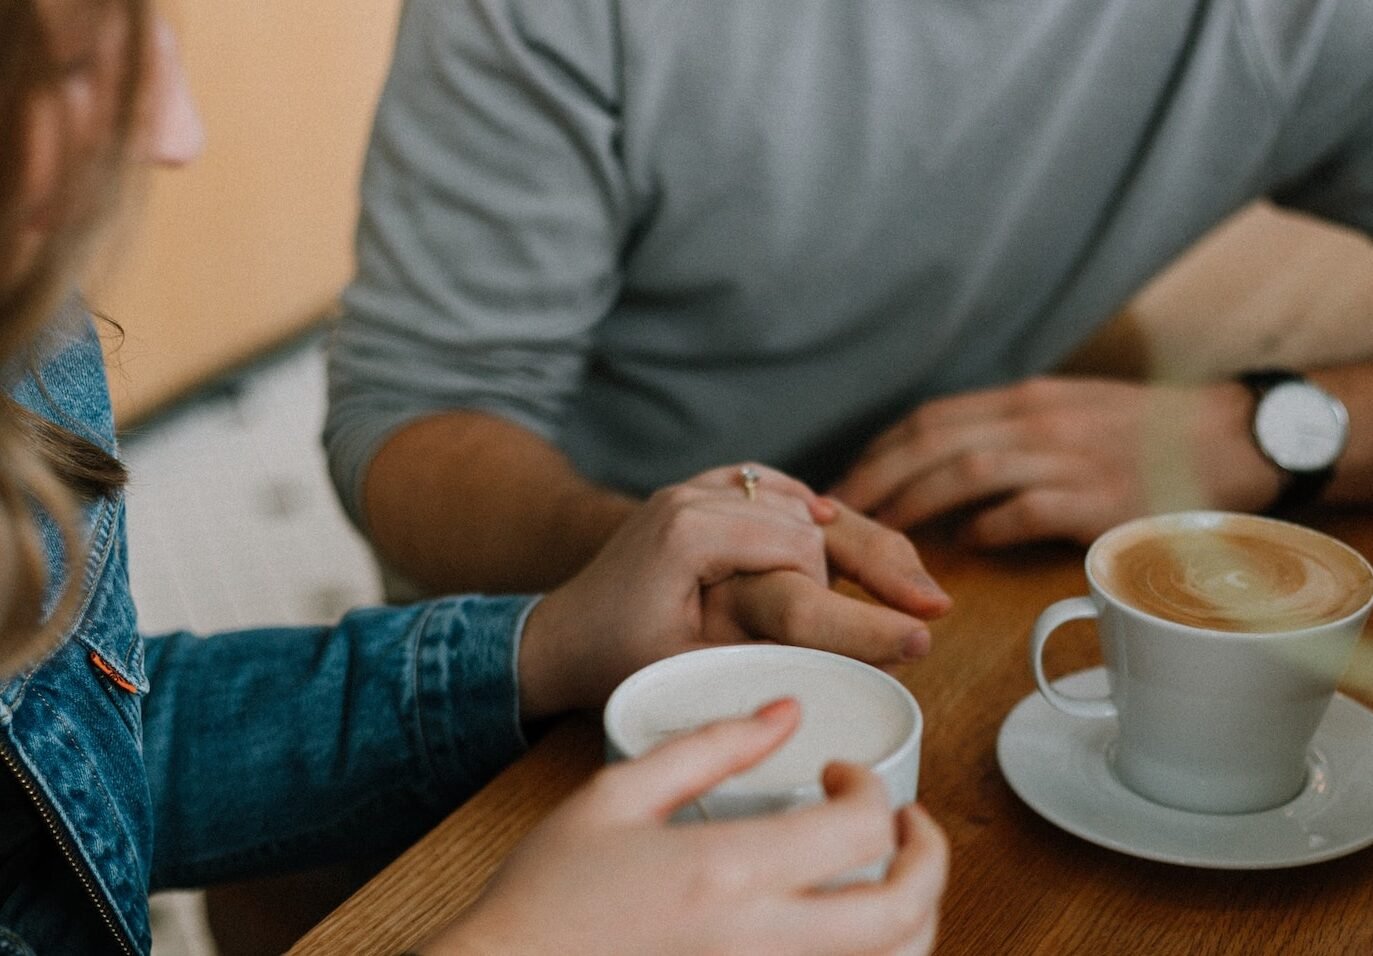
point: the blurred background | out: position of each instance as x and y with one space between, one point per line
225 281
248 246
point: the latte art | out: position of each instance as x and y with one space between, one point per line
1243 576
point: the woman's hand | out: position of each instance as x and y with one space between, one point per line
644 596
789 608
607 874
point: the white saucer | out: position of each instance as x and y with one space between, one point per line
1058 765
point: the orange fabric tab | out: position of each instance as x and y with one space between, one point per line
109 672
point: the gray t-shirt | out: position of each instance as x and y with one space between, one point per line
670 234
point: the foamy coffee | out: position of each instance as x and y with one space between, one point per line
1223 636
1235 573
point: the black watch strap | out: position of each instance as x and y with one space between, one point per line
1301 488
1298 487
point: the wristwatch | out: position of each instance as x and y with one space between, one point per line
1299 427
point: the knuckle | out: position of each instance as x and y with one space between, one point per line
717 737
977 467
894 548
667 504
675 497
926 422
873 833
1051 428
901 920
799 617
906 921
719 873
1035 390
892 921
940 852
608 785
791 506
1088 533
1121 489
923 419
680 524
1033 512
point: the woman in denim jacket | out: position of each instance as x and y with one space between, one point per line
128 765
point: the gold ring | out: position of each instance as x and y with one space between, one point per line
750 478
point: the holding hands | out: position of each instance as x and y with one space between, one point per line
703 563
1063 458
733 554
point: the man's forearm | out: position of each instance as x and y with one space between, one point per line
1234 472
465 501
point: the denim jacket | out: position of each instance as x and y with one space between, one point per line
180 761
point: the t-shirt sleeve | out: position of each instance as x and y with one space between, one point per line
1324 155
494 208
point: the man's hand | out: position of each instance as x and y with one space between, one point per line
1063 458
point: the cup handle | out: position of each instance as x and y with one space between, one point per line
1049 620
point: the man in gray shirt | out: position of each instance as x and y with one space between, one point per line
608 243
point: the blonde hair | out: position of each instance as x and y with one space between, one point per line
43 467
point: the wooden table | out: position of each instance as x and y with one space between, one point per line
1018 883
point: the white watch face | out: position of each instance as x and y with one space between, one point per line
1301 427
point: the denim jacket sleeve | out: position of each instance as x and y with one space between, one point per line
277 749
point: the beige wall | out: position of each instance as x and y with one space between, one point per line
251 243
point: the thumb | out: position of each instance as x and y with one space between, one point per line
677 772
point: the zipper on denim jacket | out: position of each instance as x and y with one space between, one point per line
78 865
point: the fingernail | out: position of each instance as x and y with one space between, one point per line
824 510
772 711
928 583
914 645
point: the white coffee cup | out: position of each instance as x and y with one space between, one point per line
850 711
1223 637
